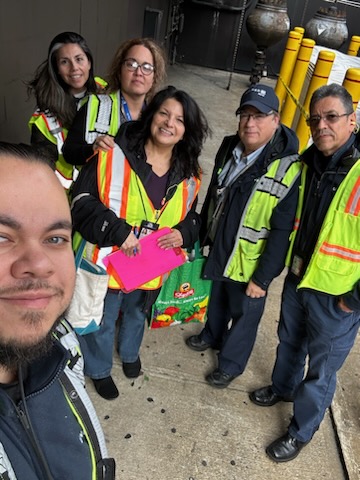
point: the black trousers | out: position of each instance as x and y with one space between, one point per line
228 302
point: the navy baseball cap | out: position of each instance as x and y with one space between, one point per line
261 97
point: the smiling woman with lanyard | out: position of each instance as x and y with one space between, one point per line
136 72
149 180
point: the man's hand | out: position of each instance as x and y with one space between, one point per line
253 291
343 307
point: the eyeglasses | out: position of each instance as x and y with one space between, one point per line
132 65
258 117
331 118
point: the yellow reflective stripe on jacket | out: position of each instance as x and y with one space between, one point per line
103 115
51 128
254 226
121 190
334 267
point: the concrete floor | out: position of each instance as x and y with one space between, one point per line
169 424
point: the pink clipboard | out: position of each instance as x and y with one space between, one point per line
147 265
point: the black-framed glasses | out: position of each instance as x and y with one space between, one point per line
330 118
245 116
132 65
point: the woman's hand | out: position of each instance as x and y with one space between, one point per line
104 142
171 240
131 246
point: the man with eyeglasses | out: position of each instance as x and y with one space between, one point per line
248 215
320 310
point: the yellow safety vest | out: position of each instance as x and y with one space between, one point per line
334 267
121 190
52 129
254 226
103 116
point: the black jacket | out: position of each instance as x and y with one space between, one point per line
272 260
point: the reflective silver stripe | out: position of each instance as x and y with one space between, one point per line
253 236
55 129
115 192
354 209
272 187
191 189
78 197
6 470
65 182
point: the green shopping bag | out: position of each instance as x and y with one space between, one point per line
184 296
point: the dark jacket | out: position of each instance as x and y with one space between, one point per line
40 422
98 224
272 260
324 176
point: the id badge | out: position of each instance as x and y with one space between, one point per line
147 227
297 265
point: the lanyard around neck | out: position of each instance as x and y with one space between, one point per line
126 110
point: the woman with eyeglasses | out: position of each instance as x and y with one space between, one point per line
60 85
149 180
136 72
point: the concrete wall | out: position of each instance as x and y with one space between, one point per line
28 26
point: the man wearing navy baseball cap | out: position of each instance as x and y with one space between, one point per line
261 97
248 215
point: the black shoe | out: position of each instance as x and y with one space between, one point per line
195 343
219 379
285 448
106 388
132 369
266 397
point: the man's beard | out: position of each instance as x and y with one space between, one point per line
13 354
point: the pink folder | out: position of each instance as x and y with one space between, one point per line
150 263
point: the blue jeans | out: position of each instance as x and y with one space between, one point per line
98 347
228 301
311 324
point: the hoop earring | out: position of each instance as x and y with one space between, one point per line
356 128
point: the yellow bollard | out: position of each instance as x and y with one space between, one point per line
352 84
297 81
300 30
320 77
287 65
354 46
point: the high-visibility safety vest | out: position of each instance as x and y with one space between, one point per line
334 267
254 226
52 129
103 115
121 190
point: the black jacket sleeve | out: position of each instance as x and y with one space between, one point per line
272 260
75 150
95 222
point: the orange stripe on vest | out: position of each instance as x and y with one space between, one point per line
340 252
